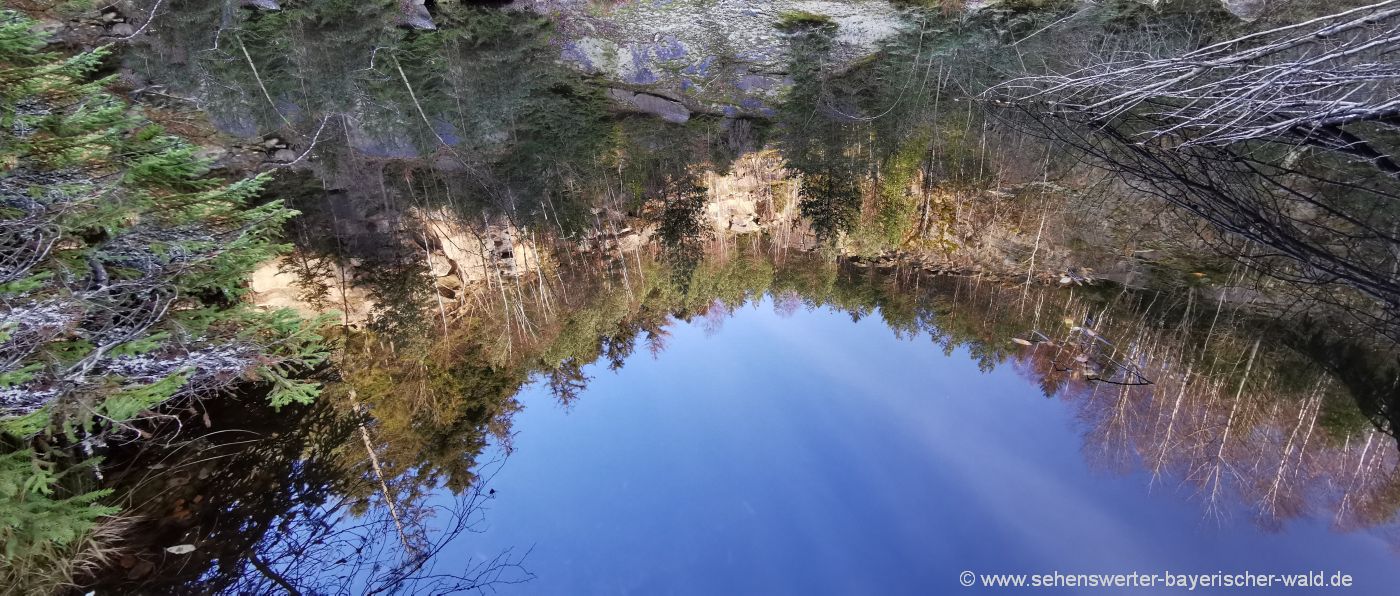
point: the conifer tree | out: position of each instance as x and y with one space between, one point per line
122 272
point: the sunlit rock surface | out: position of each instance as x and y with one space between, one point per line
459 258
277 284
755 194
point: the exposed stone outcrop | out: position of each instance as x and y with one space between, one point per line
616 241
276 284
460 258
414 15
757 193
472 254
715 56
669 110
1245 9
260 4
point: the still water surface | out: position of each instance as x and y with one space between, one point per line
807 454
771 449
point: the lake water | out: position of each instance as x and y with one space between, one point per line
787 426
806 454
694 297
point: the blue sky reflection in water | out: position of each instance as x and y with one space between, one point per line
810 455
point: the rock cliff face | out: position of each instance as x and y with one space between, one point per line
724 57
672 59
475 254
1245 9
756 194
460 259
277 285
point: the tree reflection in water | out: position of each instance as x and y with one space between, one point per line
1273 418
1219 404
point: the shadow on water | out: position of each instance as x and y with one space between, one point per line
278 502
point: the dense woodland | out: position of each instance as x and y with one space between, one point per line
1182 222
